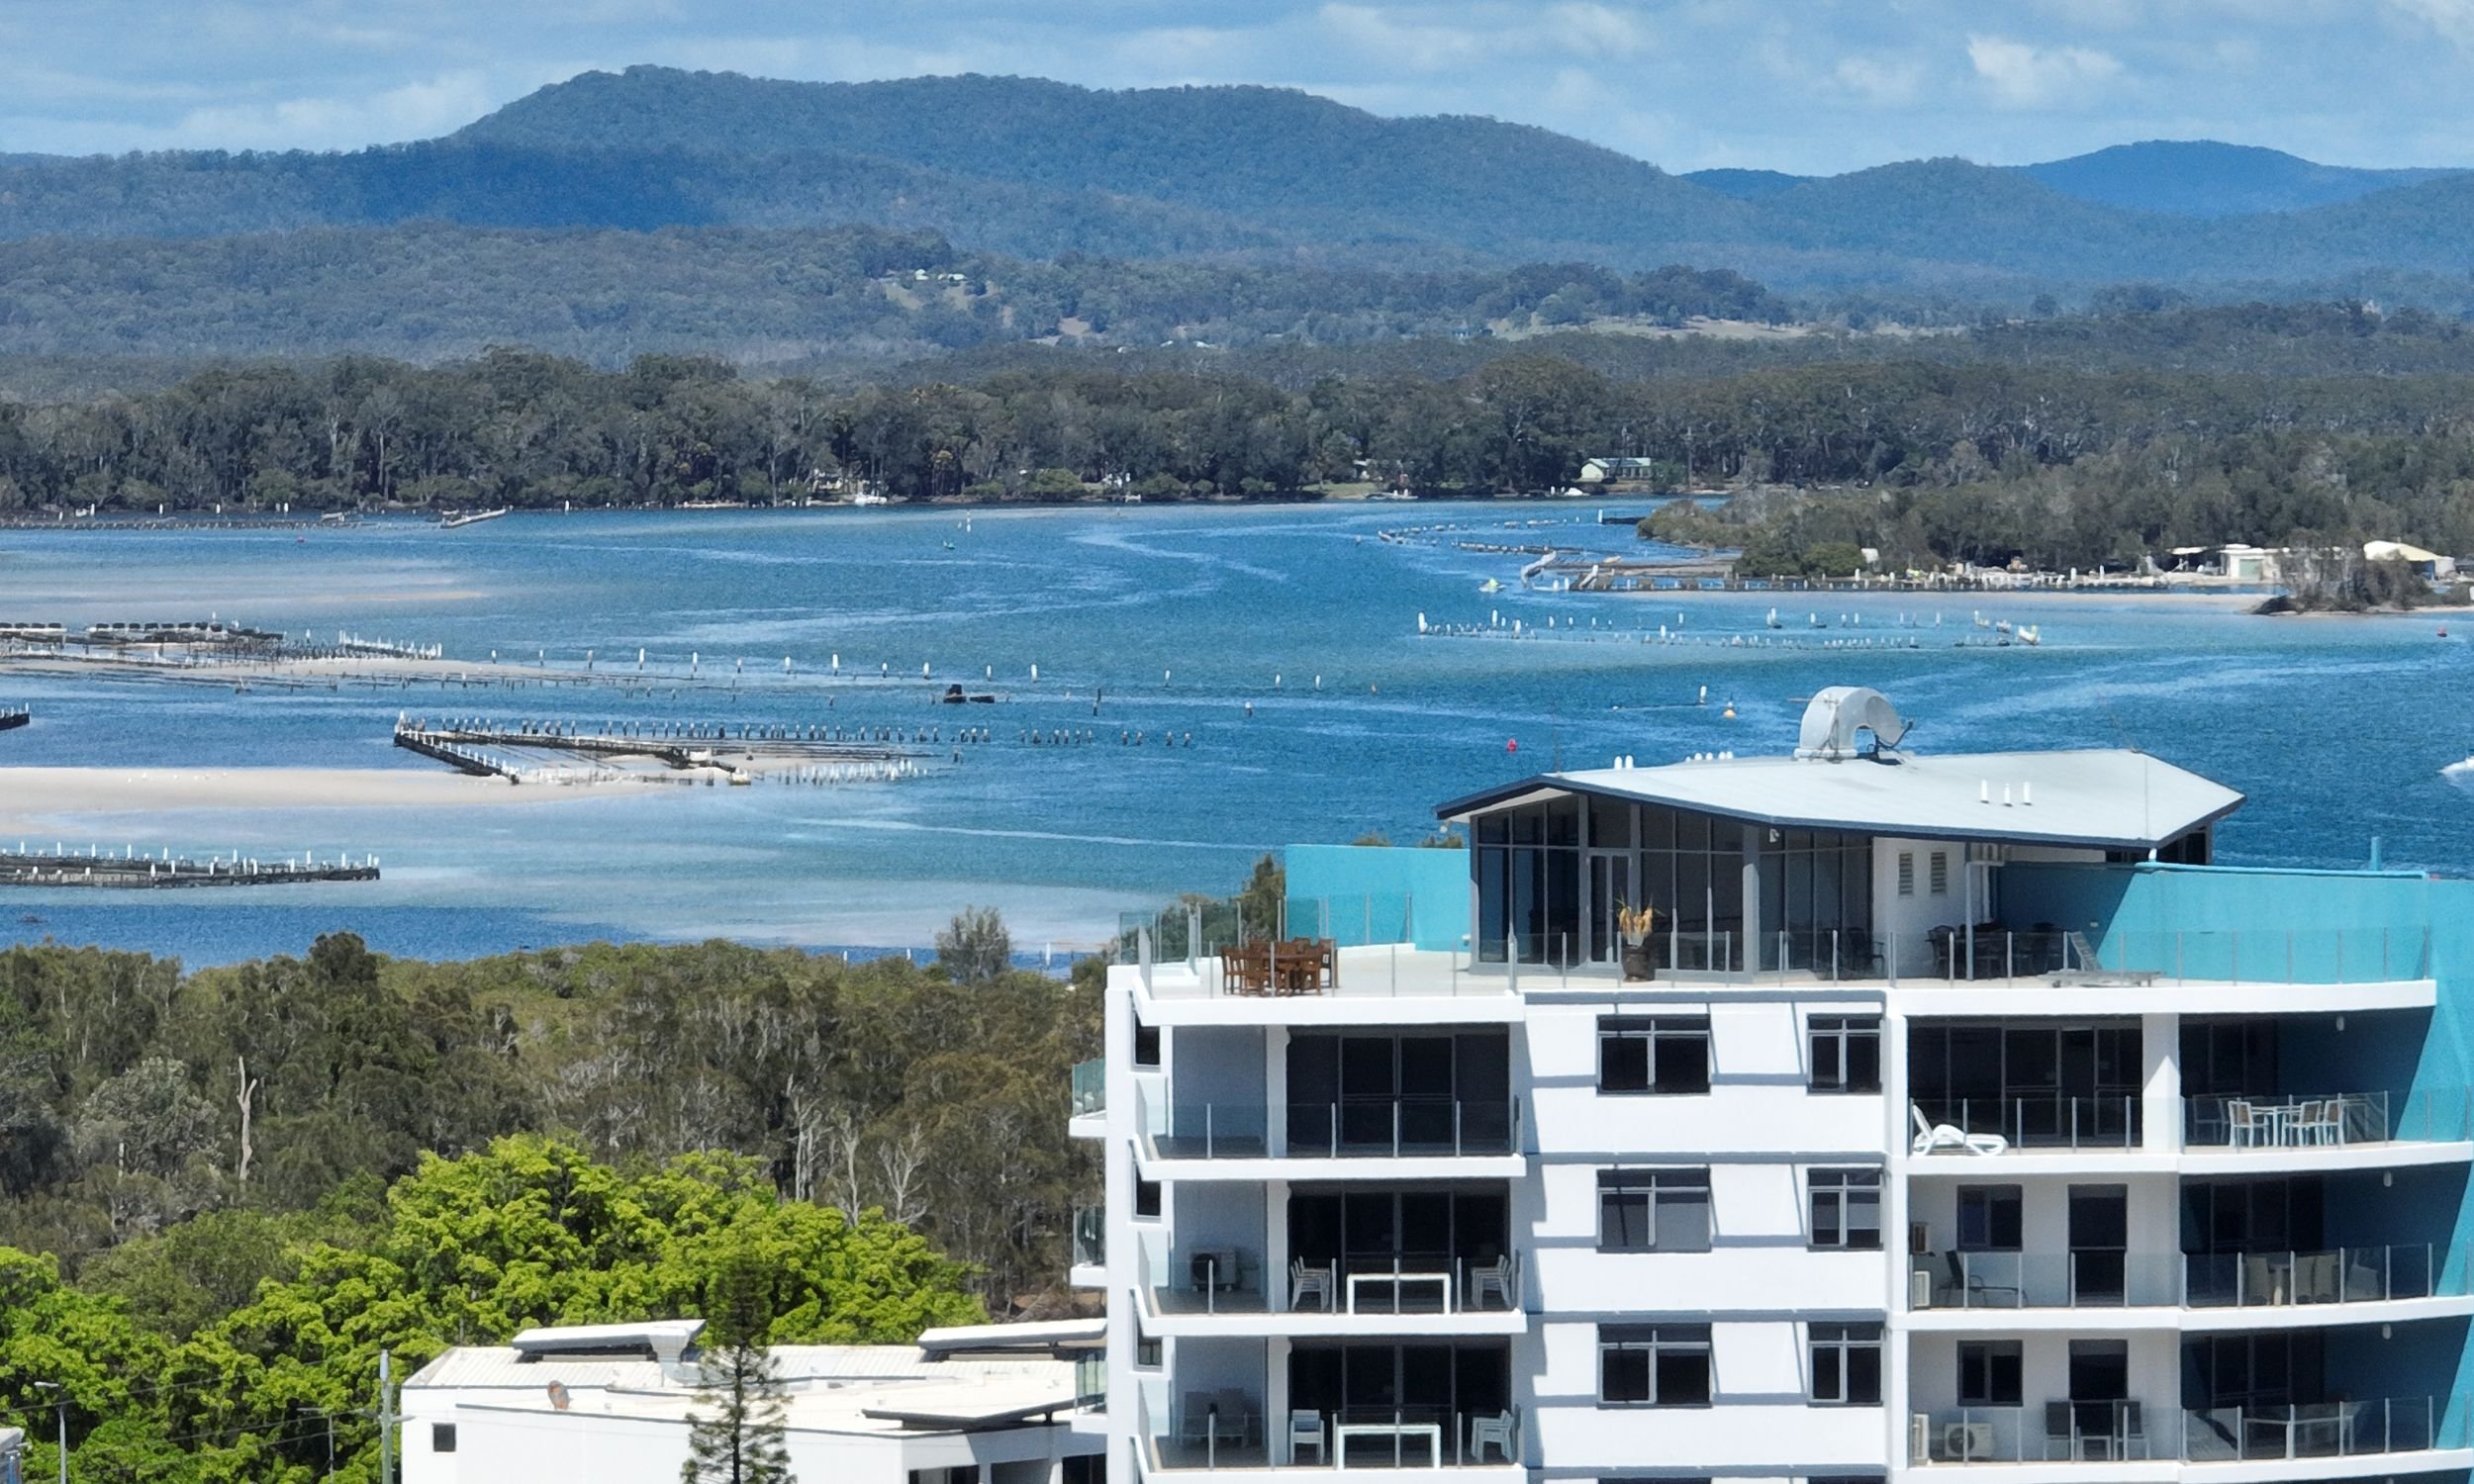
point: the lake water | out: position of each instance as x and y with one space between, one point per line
2339 729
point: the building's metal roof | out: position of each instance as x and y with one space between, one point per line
497 1366
556 1339
2111 798
1037 1334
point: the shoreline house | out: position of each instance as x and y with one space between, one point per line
1956 1117
983 1404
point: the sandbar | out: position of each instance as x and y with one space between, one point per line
28 794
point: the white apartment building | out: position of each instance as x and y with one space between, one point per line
1955 1118
612 1404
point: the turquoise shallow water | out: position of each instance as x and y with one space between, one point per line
2338 728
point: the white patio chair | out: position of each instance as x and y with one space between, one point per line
1933 1137
1491 1278
1495 1431
1305 1431
1304 1280
2241 1124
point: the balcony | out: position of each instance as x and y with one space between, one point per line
1231 1281
2012 1281
2336 1120
1091 1087
2386 1274
2048 1123
1226 1429
2325 1430
2066 1431
1087 1242
2058 1432
1394 1127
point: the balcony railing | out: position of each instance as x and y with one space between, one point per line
2060 1432
1090 1086
2048 1280
1090 1240
2291 1121
1231 1280
2325 1430
1369 1128
2038 1121
1226 1428
2200 1280
1091 1382
2331 1275
2065 1432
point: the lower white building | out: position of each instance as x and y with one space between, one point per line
990 1404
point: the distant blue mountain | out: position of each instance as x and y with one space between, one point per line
2206 178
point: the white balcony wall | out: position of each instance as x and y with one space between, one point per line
2153 1206
1713 1440
1211 1216
1215 1064
1742 1280
2043 1369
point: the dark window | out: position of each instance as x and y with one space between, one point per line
1847 1364
1146 1197
1846 1053
1654 1365
1988 1218
442 1437
1989 1374
1846 1207
1654 1211
1146 1350
1146 1044
1667 1055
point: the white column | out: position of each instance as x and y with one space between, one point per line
1276 1245
2161 1082
1894 1208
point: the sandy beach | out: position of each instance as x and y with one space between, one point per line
29 795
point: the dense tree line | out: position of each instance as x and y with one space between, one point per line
134 1098
228 1347
1972 461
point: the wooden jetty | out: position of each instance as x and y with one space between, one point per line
95 867
487 748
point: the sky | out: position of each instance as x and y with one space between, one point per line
1810 86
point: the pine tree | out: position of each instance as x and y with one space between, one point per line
734 1437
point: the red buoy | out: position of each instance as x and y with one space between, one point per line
1512 745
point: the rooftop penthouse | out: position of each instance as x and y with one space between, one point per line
1940 1112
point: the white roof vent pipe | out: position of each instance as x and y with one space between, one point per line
1837 714
669 1350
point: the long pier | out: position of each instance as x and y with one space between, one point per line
816 754
128 871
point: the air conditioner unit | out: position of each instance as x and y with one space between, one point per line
1919 1289
1919 1438
1967 1441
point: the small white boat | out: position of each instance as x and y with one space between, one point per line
471 517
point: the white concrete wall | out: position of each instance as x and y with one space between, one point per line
526 1445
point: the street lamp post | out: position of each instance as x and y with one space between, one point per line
59 1403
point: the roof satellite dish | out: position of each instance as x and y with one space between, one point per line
1838 712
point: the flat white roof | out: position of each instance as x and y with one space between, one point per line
2109 798
1039 1333
549 1338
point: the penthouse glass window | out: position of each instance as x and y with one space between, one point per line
1846 1052
1654 1210
1667 1053
1846 1208
1846 1364
1654 1365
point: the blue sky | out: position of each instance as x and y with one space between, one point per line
1804 85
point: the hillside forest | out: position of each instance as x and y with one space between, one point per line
225 1190
1929 462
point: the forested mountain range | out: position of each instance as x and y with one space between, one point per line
1037 169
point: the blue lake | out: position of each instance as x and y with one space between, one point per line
1179 618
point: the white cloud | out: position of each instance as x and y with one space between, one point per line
2025 76
1412 45
414 111
1879 80
2453 19
1594 30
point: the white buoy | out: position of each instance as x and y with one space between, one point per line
1034 672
